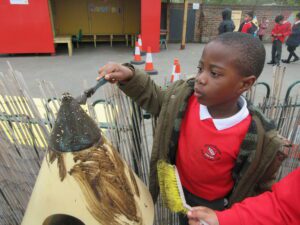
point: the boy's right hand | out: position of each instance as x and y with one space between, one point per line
202 213
114 72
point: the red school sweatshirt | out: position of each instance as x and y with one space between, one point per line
281 206
283 29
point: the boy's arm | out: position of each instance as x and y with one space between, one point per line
142 89
276 207
274 32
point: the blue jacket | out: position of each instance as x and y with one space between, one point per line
294 38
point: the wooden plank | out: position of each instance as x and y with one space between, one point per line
186 4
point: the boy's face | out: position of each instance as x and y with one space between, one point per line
218 81
248 18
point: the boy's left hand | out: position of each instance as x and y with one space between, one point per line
202 213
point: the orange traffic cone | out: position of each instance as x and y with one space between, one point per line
177 74
141 45
176 61
137 56
149 63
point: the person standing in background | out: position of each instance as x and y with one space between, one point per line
263 25
280 31
248 26
293 41
227 24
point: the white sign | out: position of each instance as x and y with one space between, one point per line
19 2
196 6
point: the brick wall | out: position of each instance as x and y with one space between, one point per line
209 17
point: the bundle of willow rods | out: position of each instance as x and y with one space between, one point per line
286 115
23 137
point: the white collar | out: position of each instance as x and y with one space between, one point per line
222 124
298 21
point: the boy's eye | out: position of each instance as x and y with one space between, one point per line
199 69
215 74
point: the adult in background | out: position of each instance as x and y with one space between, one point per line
248 26
293 41
227 24
263 25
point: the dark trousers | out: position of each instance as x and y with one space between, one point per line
194 200
276 51
291 50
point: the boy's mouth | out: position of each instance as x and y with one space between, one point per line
198 93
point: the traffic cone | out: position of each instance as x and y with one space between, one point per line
176 61
141 45
177 74
137 56
149 63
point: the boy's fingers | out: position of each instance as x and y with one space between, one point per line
197 211
113 77
107 69
199 214
102 73
194 222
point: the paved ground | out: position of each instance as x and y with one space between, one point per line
68 73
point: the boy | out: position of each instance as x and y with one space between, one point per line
270 208
205 127
280 31
248 26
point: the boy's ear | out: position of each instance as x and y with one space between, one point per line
247 83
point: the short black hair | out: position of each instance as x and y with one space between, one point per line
250 52
279 18
250 13
298 15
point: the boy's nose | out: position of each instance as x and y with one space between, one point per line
201 78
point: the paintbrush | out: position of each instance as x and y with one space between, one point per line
89 92
171 189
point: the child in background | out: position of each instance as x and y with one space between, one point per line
248 26
205 127
227 24
293 41
262 28
280 31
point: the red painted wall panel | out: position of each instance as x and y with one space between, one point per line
25 28
150 24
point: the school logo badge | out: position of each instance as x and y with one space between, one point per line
211 152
